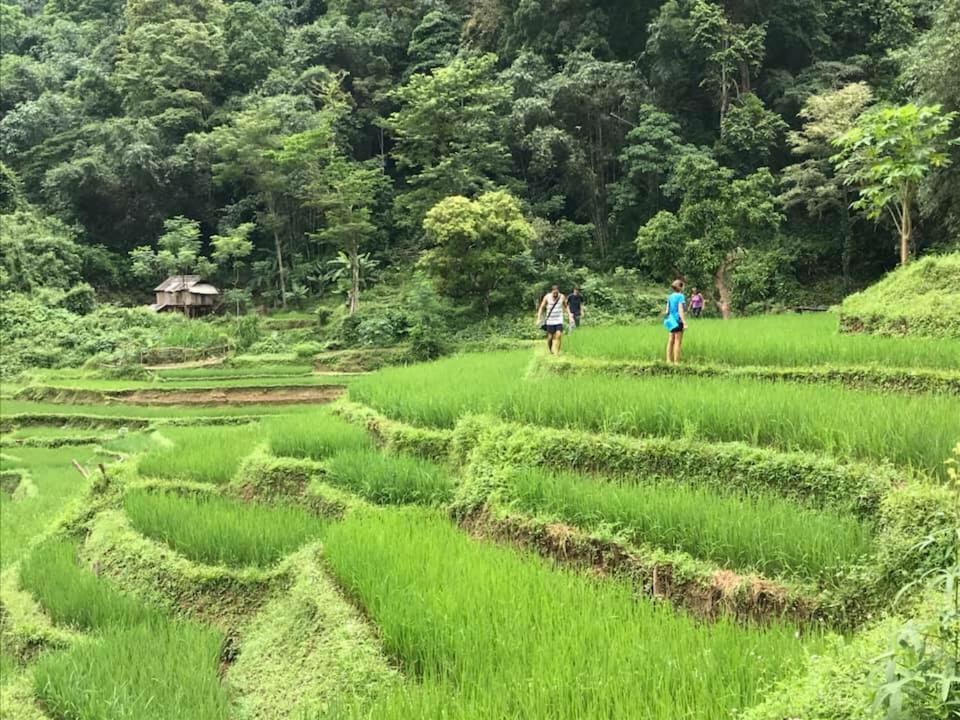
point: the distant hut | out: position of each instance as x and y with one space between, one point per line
187 294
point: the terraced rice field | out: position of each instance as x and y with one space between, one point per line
486 536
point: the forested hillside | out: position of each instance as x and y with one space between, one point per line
284 146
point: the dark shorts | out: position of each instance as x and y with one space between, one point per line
551 329
677 329
696 311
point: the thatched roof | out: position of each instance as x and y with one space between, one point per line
190 283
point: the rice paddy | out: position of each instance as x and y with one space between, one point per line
772 340
132 592
390 479
220 531
485 633
764 534
317 436
203 454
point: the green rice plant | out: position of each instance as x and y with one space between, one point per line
486 632
390 479
161 670
56 483
439 393
17 407
203 454
220 531
911 431
9 667
783 340
122 385
317 436
74 596
208 373
766 534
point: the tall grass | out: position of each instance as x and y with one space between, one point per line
219 531
317 436
766 534
162 670
910 431
207 373
57 483
390 479
205 454
485 632
785 340
439 393
915 431
74 596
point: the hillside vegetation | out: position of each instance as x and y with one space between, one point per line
920 299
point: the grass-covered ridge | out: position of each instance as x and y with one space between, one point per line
918 299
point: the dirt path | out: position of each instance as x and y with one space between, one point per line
235 396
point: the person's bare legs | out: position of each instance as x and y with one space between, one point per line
669 348
557 339
677 344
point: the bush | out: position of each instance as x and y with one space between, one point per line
81 299
323 315
306 350
428 342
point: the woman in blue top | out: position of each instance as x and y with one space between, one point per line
676 321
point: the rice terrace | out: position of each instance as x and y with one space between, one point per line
479 360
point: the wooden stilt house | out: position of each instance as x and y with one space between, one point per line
187 294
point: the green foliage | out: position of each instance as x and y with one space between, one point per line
888 154
37 251
317 435
74 596
178 252
219 531
479 248
782 341
81 299
449 130
720 219
531 638
762 533
750 134
390 479
115 676
913 300
204 454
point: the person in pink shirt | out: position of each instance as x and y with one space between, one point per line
696 303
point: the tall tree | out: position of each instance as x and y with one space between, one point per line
232 249
812 184
888 154
720 220
449 135
178 252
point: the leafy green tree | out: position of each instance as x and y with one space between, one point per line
652 148
232 249
749 134
721 219
253 38
37 251
930 71
449 135
478 248
435 40
247 159
169 60
812 184
178 252
733 52
888 154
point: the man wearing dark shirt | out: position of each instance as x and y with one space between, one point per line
575 303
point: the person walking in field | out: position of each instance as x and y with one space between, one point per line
696 303
550 317
676 321
575 303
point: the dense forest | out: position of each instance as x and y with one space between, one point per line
288 147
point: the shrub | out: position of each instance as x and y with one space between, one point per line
81 299
306 350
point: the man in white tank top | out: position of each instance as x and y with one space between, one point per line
550 317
